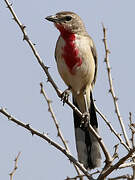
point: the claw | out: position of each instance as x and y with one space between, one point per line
65 95
86 120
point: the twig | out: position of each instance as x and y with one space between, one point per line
53 116
116 166
15 166
59 93
115 155
77 177
125 165
132 129
112 129
128 177
46 138
132 140
112 89
57 125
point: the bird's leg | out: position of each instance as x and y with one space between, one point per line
65 95
86 114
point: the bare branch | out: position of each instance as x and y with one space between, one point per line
56 124
53 116
116 166
46 138
112 89
112 129
115 155
125 165
121 177
15 166
77 177
131 126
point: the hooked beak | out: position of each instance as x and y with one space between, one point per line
52 18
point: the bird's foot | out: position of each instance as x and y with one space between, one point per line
86 119
65 95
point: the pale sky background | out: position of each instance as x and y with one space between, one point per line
20 75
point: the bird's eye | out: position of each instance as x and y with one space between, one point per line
68 18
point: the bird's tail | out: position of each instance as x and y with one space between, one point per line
86 143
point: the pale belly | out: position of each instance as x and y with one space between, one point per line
79 79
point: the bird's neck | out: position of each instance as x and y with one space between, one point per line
70 52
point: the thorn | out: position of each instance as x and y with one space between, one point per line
47 79
109 91
58 134
47 67
116 145
108 51
105 60
116 98
10 4
41 85
32 133
28 126
108 69
23 26
9 118
25 37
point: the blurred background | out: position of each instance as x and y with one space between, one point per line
20 76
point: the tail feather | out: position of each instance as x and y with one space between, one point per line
86 143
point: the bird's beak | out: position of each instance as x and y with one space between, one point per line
52 18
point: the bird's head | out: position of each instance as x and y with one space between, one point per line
68 22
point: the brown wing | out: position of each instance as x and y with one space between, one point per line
94 52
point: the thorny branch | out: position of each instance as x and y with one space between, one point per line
50 109
125 165
112 89
81 176
116 166
112 129
128 177
45 68
131 126
53 117
15 166
46 138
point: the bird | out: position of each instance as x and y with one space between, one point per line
76 59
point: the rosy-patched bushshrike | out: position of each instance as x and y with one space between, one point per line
76 60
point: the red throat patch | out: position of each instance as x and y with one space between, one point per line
70 52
